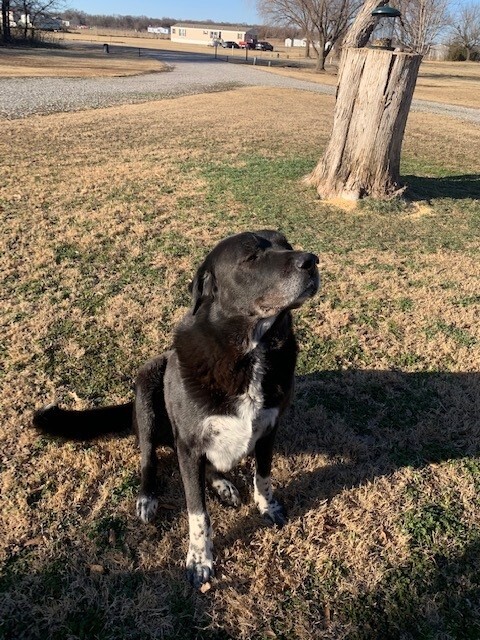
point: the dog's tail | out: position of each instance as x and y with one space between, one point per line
84 425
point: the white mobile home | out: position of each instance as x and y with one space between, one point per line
208 33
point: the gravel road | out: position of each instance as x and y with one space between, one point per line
190 74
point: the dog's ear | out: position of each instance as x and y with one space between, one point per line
202 287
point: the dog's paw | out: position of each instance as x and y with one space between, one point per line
199 574
199 568
275 513
146 508
226 491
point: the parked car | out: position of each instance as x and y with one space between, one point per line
264 46
247 45
230 44
214 43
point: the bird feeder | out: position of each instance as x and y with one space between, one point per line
382 36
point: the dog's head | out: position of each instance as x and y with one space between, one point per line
255 274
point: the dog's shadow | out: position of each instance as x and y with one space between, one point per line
370 423
346 428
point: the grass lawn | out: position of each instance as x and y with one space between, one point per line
456 83
104 215
71 63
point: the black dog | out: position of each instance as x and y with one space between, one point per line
219 393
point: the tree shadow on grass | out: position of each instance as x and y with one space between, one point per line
456 187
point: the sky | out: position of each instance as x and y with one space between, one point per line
234 11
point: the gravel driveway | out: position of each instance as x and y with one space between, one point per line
190 74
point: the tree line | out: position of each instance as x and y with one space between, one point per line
323 23
140 23
125 23
19 15
54 8
423 23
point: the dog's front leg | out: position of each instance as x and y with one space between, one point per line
270 508
200 550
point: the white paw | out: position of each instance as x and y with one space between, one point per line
199 565
269 508
274 513
146 508
226 491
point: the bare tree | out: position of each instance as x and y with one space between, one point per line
422 23
466 27
323 22
32 10
288 13
6 21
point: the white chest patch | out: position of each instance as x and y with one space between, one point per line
230 438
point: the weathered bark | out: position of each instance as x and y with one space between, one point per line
374 96
320 61
6 35
359 33
307 48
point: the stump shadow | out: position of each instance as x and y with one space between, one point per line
456 187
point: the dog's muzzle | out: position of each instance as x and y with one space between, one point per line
307 264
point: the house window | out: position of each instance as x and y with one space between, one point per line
173 30
182 32
240 36
214 34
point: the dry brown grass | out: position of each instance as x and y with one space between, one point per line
451 82
102 225
52 63
456 83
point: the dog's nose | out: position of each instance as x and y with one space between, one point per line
306 261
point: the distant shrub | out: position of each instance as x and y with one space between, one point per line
34 38
458 53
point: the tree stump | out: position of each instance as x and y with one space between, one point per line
362 158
